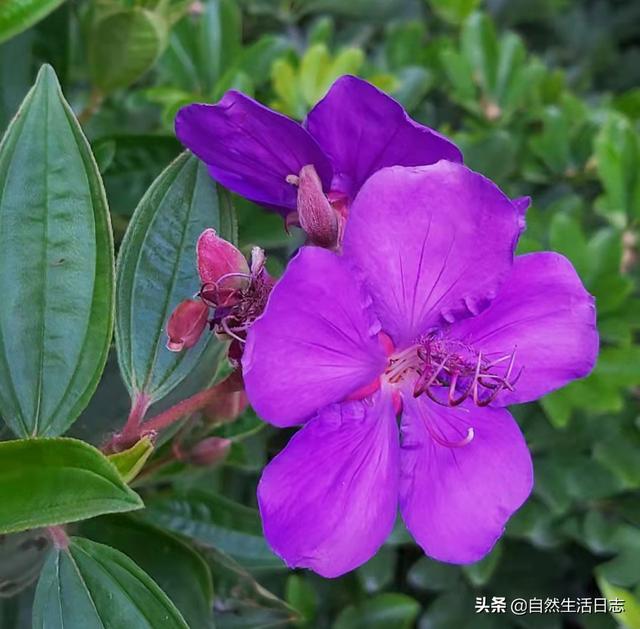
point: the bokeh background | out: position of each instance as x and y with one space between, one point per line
542 96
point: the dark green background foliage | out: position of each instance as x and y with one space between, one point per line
541 95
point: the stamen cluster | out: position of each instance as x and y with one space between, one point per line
464 371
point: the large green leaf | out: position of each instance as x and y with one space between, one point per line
157 269
170 562
92 586
216 521
44 482
56 266
18 15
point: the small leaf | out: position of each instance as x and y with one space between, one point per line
123 45
92 586
215 521
56 266
617 152
427 574
380 612
481 571
454 11
567 237
44 482
379 571
18 15
178 569
301 595
630 617
131 461
157 270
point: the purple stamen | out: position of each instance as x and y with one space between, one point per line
450 363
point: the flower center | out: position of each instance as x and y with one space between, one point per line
449 371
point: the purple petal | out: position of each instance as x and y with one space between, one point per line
456 500
363 130
316 342
434 243
329 500
543 312
251 149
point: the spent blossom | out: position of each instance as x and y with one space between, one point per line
310 172
427 316
232 296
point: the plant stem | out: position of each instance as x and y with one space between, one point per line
58 537
186 407
93 104
135 428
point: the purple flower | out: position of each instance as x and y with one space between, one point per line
426 315
351 133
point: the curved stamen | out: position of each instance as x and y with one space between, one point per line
450 444
452 364
228 331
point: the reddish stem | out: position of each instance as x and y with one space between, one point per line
190 405
58 537
140 406
135 428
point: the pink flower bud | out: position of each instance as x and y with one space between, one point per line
186 324
209 451
227 406
222 267
315 214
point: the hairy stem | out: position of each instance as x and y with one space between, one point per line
93 104
59 537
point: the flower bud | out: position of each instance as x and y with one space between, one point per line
222 267
186 324
227 406
209 451
315 214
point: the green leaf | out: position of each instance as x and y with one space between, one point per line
566 237
481 48
630 617
44 482
178 569
379 571
380 612
481 571
123 45
617 152
241 602
56 266
18 15
202 48
157 270
454 11
427 574
301 595
131 461
216 521
92 586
